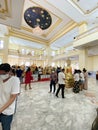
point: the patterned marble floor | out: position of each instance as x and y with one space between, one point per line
39 110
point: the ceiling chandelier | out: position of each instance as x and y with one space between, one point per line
37 18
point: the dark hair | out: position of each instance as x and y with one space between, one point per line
63 70
13 71
5 66
75 71
79 71
29 69
84 70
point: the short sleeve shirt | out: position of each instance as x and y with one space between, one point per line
76 77
11 86
61 77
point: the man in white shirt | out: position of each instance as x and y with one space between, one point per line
9 89
61 82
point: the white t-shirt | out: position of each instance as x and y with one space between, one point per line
61 77
81 76
76 76
11 86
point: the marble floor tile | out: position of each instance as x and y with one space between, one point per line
39 110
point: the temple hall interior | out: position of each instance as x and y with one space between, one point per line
51 34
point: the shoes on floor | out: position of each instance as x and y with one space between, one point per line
56 96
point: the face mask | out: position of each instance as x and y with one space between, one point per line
4 76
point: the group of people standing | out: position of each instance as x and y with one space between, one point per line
57 77
80 81
10 89
24 74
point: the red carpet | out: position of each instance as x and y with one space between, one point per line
41 80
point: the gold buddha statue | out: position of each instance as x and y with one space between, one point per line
69 77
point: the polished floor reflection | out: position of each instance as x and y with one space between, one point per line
39 110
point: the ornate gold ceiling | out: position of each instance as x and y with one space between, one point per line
5 9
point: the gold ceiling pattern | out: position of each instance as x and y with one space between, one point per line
37 17
86 7
60 21
66 19
5 8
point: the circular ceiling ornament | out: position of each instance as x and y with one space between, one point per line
36 16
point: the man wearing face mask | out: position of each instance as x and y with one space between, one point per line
9 89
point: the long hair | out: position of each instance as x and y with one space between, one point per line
28 69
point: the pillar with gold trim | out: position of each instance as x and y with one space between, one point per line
68 73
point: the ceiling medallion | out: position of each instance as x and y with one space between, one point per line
37 17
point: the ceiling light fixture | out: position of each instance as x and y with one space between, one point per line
37 18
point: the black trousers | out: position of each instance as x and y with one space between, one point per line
52 83
61 86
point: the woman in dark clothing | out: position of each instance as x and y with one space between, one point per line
76 87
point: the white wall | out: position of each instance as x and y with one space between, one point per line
92 63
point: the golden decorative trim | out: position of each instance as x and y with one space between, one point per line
44 8
81 23
52 28
26 29
63 31
7 11
85 12
86 33
6 8
46 34
59 10
26 37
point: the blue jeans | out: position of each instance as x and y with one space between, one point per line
5 121
54 84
